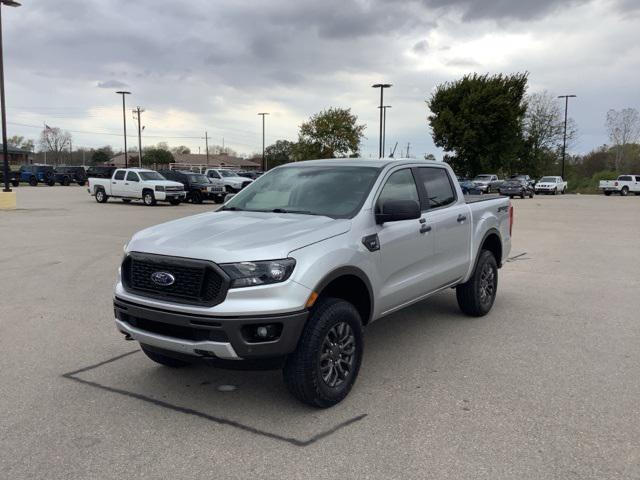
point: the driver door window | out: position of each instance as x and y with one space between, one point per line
399 186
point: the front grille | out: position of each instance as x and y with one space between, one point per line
194 281
173 189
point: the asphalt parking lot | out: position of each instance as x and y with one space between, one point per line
545 386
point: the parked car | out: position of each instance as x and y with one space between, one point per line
252 174
35 174
468 187
232 181
296 265
100 172
66 175
624 185
525 178
137 184
516 187
487 183
197 185
551 185
14 177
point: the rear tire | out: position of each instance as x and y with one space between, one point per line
608 194
101 196
163 359
16 183
476 296
33 181
148 198
325 365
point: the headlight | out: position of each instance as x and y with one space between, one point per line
249 274
159 188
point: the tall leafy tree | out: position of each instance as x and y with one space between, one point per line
479 120
281 152
331 133
157 157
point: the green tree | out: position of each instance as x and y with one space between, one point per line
279 153
157 157
330 133
100 156
479 119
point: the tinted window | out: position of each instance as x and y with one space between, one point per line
151 176
132 177
119 175
638 178
399 186
624 178
437 185
213 174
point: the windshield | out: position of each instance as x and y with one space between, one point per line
198 178
512 182
483 177
336 192
151 176
227 173
548 179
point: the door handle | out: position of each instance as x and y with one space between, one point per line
461 218
113 183
424 228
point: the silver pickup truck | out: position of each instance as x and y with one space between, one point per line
295 266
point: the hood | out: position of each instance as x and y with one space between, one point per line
164 183
227 236
482 182
237 179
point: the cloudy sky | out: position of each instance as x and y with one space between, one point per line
212 65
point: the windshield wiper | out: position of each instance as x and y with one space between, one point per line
233 209
283 210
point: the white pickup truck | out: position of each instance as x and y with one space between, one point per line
624 185
551 185
298 264
232 181
137 184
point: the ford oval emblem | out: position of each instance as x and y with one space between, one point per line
164 279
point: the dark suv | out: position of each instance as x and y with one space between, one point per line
66 175
100 172
197 185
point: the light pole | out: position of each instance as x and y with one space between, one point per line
124 120
264 161
564 140
138 113
384 128
5 148
381 86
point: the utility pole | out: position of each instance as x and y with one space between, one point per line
408 144
564 140
124 121
70 152
83 152
264 161
381 86
206 145
138 112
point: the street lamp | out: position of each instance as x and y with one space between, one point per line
264 161
384 128
381 86
564 141
5 149
124 120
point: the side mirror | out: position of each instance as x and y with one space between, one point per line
228 197
396 210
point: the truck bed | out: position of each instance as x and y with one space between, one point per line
480 198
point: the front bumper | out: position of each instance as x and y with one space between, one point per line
207 336
181 194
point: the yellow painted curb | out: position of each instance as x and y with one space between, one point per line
7 200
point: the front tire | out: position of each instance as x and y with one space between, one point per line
196 197
325 365
476 296
149 198
163 359
218 199
608 194
33 181
624 192
16 183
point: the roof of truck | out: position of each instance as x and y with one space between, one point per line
363 162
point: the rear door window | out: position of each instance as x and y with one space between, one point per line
132 177
119 175
625 178
437 185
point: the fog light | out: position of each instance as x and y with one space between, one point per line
262 333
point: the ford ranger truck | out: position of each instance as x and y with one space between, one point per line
137 184
297 265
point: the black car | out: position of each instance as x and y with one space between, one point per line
516 187
253 174
100 172
197 185
66 175
14 177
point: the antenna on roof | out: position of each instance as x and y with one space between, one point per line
393 152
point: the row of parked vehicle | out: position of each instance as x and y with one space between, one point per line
47 174
515 186
173 186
